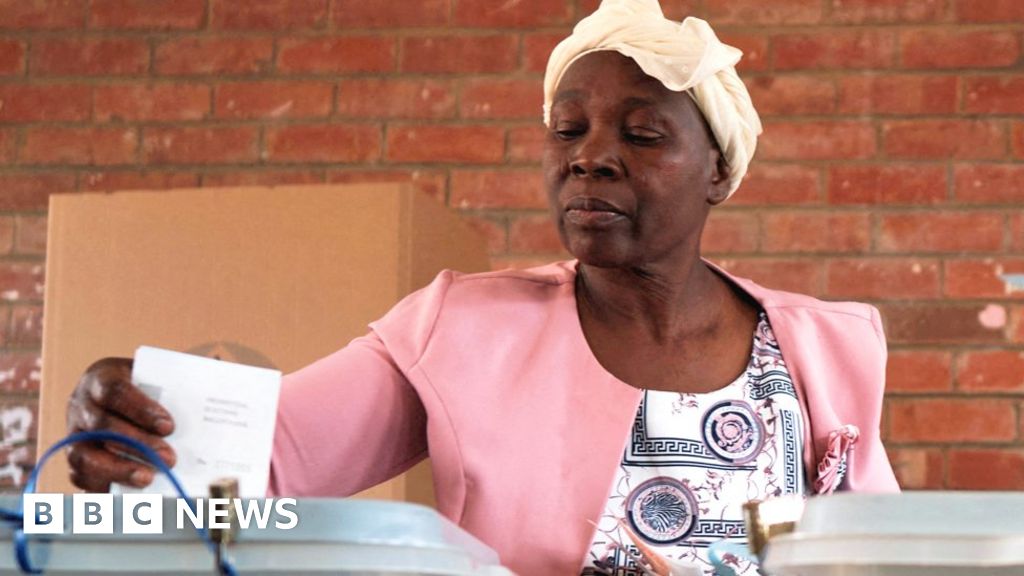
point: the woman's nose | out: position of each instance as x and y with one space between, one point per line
596 159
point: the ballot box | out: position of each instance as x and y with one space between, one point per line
910 534
275 277
339 537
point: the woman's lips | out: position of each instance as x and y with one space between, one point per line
592 218
589 212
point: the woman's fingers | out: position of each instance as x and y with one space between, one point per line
116 424
119 396
94 468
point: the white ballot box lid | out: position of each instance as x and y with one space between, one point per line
910 534
331 537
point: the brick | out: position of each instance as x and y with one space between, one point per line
469 144
31 236
42 14
89 57
537 49
898 94
19 372
973 49
109 181
817 141
151 102
12 57
909 278
6 244
951 420
886 11
27 326
31 190
777 184
888 184
356 14
754 47
272 100
834 49
514 189
792 95
52 102
990 11
995 95
502 99
449 54
396 98
8 145
673 9
978 469
521 14
815 232
433 183
533 235
493 230
803 276
324 143
526 143
730 232
260 177
268 14
336 55
991 371
80 146
200 145
982 278
21 281
941 139
918 468
931 232
1016 327
1018 139
989 183
147 14
1017 232
755 12
918 371
944 323
213 56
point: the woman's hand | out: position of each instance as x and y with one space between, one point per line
106 399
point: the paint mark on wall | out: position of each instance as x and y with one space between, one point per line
1013 282
15 427
992 317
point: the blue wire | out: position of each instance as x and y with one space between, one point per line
20 540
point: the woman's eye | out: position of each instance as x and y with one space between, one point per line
643 136
568 132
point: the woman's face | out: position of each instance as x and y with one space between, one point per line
629 165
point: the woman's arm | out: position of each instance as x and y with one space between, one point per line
345 423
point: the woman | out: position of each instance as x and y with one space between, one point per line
579 412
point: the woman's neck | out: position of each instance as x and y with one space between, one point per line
665 302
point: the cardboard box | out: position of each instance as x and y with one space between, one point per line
265 276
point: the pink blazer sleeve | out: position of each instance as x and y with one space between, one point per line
345 423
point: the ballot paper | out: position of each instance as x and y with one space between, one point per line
224 416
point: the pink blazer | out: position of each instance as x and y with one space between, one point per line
491 374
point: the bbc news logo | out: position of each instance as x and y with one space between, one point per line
144 513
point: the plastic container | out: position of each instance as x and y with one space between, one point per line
332 537
910 534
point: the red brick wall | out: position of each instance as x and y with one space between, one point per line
891 170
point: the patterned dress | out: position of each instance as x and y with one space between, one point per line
694 459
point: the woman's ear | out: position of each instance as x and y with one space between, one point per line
718 190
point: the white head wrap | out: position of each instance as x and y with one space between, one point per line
685 56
